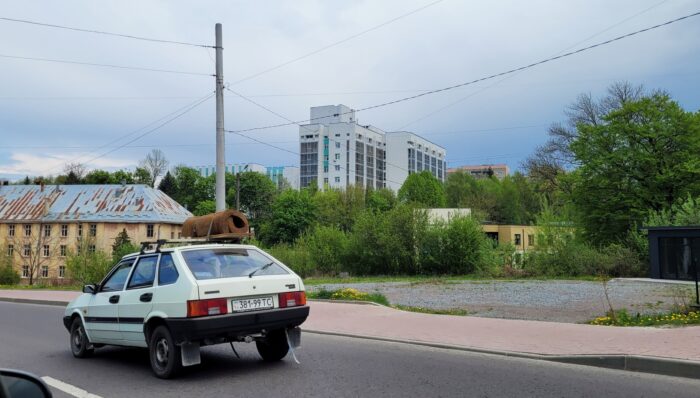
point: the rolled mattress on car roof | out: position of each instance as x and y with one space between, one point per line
222 222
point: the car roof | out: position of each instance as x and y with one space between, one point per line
191 247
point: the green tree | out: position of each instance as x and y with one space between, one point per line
142 176
292 213
168 184
122 176
256 195
122 246
192 188
423 189
86 265
382 199
8 275
97 177
643 157
204 207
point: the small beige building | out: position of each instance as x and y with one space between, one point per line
520 236
40 225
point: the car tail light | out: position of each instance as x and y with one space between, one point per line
292 299
206 307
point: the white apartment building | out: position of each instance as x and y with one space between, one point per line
277 174
336 151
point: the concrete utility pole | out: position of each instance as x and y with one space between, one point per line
220 141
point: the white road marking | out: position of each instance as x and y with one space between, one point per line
68 388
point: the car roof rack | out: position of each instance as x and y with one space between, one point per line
221 238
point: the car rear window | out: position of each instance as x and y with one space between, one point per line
229 263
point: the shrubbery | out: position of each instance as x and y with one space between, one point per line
8 276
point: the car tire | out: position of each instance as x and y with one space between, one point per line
79 343
274 346
165 355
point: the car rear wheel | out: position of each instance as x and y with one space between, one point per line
274 347
166 357
79 343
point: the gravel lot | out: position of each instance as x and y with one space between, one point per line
553 300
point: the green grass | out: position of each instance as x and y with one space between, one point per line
423 310
622 318
420 279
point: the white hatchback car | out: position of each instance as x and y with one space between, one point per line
174 300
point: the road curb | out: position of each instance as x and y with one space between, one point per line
34 301
633 363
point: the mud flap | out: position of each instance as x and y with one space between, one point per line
293 341
190 354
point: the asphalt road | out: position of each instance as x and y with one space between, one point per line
32 338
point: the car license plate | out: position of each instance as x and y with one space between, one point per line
252 304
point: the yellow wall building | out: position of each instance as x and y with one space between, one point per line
40 225
520 236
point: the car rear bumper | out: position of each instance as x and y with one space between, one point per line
234 325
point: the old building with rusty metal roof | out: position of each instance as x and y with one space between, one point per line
41 225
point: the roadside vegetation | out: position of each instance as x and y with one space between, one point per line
622 318
350 294
613 165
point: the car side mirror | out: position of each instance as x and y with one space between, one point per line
16 384
92 289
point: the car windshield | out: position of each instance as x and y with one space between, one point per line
229 263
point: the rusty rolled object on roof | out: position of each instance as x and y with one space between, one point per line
219 223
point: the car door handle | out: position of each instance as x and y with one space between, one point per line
114 299
146 297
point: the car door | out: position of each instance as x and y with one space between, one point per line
136 300
102 314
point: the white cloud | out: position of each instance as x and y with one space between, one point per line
22 163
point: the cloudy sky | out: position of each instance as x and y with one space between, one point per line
54 113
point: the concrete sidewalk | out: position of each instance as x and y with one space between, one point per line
673 351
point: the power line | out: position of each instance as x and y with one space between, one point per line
25 21
510 71
63 61
303 127
153 129
453 103
185 108
82 147
324 48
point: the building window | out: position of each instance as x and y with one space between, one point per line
517 240
11 230
172 234
80 229
61 271
44 271
337 156
27 250
337 167
47 231
179 235
25 271
46 251
91 249
325 181
337 179
93 229
63 250
531 240
27 230
149 230
337 144
64 230
10 250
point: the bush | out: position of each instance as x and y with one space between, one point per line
295 257
577 259
8 276
386 243
327 248
87 267
457 247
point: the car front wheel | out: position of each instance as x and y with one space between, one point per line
166 357
274 346
79 343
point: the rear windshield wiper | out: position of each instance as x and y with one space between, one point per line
260 269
